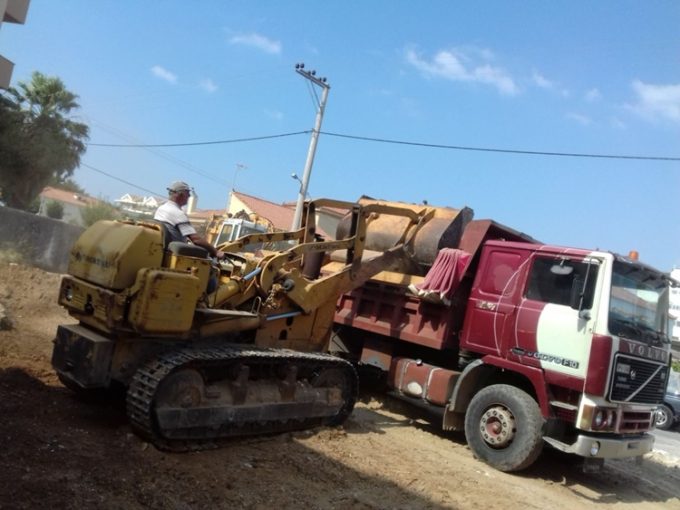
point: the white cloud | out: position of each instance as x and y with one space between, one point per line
541 81
274 114
208 85
581 119
257 41
593 95
657 101
164 74
456 65
617 123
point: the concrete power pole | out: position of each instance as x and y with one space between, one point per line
321 82
239 166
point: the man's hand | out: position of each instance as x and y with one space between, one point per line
220 255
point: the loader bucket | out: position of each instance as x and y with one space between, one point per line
444 230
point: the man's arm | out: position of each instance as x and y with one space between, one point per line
203 243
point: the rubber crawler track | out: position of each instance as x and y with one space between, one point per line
145 383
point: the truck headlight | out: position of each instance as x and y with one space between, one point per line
600 419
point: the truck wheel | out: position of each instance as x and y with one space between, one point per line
504 427
664 417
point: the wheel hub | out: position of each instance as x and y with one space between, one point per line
497 426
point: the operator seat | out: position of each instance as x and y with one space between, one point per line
187 250
173 242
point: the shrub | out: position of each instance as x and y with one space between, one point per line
92 213
54 210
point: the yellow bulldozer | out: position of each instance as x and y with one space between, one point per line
209 350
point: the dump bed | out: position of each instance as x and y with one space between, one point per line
389 304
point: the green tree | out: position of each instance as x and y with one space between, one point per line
67 184
39 142
54 210
92 213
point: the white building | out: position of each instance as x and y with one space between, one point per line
11 11
72 203
675 305
139 206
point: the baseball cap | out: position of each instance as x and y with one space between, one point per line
179 186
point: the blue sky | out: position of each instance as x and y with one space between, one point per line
563 76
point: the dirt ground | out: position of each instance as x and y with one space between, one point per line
58 452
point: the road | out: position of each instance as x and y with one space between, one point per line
668 443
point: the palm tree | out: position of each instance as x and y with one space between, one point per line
39 142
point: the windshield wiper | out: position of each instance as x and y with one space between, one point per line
657 335
631 325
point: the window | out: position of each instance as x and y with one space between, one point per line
563 282
639 303
500 275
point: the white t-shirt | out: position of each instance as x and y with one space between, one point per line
171 214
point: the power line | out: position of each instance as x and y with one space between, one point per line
505 151
159 153
190 144
120 180
403 142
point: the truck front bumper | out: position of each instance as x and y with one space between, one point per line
595 447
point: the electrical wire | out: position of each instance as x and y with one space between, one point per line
159 195
192 144
159 153
403 142
505 151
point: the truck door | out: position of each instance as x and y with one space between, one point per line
554 323
492 307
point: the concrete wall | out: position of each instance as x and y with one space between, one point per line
42 242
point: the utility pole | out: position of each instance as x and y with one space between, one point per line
321 82
239 166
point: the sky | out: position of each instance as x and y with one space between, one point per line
416 90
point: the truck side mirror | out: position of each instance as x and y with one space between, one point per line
577 290
577 297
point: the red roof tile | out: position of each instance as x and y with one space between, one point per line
68 197
280 216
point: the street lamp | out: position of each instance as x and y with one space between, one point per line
295 176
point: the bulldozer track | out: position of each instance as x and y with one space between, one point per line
142 392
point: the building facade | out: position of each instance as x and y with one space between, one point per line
11 11
675 306
72 204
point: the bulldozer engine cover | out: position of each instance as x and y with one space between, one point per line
110 253
164 302
94 305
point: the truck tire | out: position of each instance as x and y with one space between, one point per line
504 427
664 417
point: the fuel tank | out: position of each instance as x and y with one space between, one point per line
444 230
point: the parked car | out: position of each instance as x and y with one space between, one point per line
668 413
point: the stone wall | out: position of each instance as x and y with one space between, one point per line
42 242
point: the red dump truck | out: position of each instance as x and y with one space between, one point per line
515 342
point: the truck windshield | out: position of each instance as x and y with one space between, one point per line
231 231
225 234
673 383
639 304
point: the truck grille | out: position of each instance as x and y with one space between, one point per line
632 422
638 381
